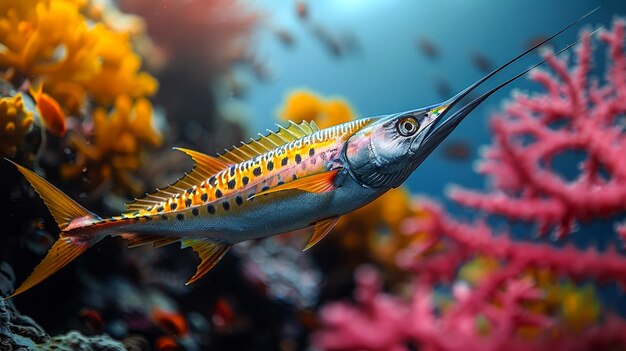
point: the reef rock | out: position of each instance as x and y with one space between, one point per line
21 333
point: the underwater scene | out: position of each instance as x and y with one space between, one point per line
312 175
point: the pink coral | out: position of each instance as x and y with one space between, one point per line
523 299
583 114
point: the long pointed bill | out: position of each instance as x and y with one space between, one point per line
443 124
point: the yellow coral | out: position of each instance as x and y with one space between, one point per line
15 122
114 153
51 39
305 105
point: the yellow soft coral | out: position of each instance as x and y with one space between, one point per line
305 105
52 40
114 154
15 122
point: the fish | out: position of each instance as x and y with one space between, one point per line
296 178
302 9
481 62
52 115
428 48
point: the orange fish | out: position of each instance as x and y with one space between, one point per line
172 323
51 113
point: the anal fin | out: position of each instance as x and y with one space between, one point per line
320 229
317 183
210 253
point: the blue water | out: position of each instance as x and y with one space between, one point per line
390 74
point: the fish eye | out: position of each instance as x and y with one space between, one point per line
407 126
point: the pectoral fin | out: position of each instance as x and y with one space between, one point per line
320 229
210 253
317 183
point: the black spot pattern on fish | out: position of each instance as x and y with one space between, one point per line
173 206
226 205
213 181
195 211
189 191
211 209
218 193
239 200
188 203
180 216
280 182
160 209
311 151
270 166
257 171
204 197
232 171
284 161
232 183
298 158
265 188
294 177
245 180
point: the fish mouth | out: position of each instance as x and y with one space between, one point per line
441 126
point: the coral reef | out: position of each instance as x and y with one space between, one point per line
306 105
52 40
576 114
20 332
15 123
112 153
225 26
475 288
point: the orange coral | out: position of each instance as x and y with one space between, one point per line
52 40
15 122
306 105
118 139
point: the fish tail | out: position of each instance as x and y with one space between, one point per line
69 216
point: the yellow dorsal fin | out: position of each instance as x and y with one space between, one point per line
205 166
267 142
210 253
317 183
63 209
320 229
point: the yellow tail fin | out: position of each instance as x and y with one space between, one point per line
68 215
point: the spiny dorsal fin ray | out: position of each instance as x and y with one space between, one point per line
320 229
267 142
317 183
205 166
210 253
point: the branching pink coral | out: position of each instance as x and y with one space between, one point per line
576 114
382 321
512 305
